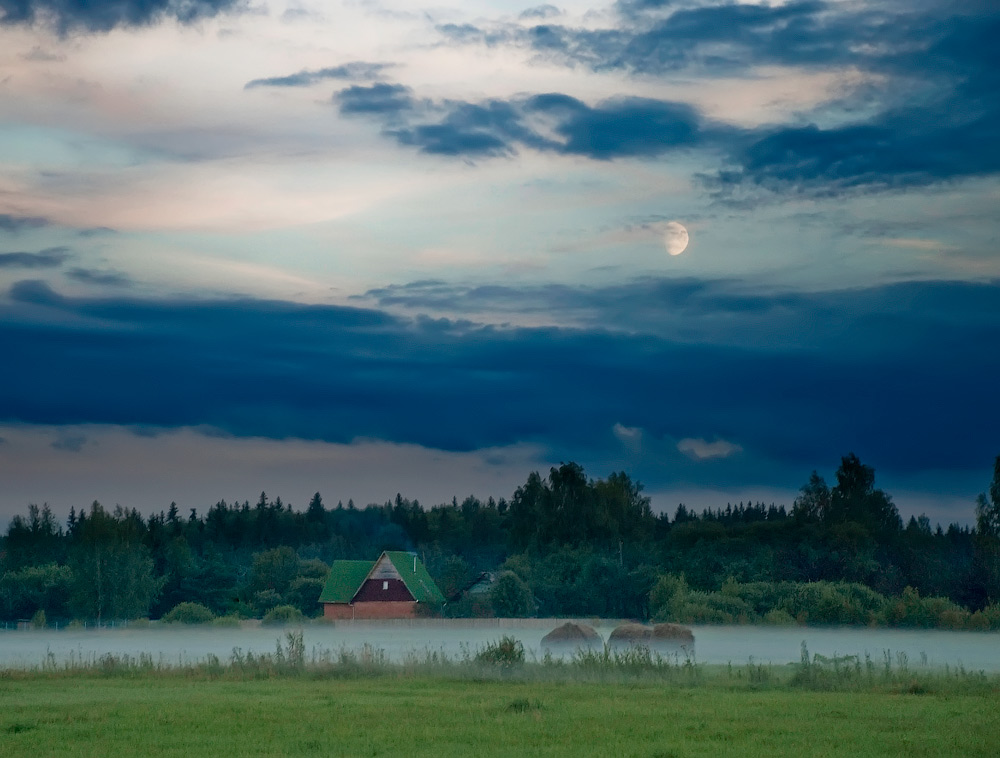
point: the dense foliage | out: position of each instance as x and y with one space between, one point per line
563 545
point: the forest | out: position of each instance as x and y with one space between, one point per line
561 545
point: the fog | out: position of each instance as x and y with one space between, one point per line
181 645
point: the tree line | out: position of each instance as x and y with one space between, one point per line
562 545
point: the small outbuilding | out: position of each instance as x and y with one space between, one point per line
388 588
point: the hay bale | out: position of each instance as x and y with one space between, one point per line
573 633
631 634
673 633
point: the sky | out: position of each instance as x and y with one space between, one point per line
374 247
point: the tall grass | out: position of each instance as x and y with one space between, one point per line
892 673
506 659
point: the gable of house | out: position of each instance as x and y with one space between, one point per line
383 584
395 576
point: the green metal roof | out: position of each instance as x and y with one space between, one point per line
418 582
346 578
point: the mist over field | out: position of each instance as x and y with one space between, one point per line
457 640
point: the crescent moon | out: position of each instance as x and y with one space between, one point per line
675 238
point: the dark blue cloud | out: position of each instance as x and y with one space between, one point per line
71 443
94 276
354 70
932 112
462 32
616 128
903 374
731 36
950 131
380 99
11 223
34 291
105 15
470 129
659 37
620 127
51 257
540 12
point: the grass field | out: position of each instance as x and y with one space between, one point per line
427 715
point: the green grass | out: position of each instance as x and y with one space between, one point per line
440 716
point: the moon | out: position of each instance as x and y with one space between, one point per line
675 238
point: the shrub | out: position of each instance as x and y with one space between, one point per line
304 594
778 617
314 568
510 597
188 613
667 597
927 612
38 621
431 610
265 600
506 652
831 602
283 614
698 611
987 619
468 606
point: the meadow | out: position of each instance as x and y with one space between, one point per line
495 704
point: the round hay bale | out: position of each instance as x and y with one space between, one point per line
573 633
673 633
631 634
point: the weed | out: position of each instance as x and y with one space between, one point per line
506 653
523 705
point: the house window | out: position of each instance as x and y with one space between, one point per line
385 585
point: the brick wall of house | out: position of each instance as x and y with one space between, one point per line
373 610
337 611
394 609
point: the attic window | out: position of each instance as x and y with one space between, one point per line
385 585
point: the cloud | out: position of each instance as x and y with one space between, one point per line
12 223
700 450
51 257
540 12
620 127
629 436
661 38
105 15
467 129
380 99
615 128
34 291
92 276
307 78
70 443
37 54
469 33
653 304
923 110
906 147
883 371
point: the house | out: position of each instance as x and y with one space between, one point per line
478 587
388 588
